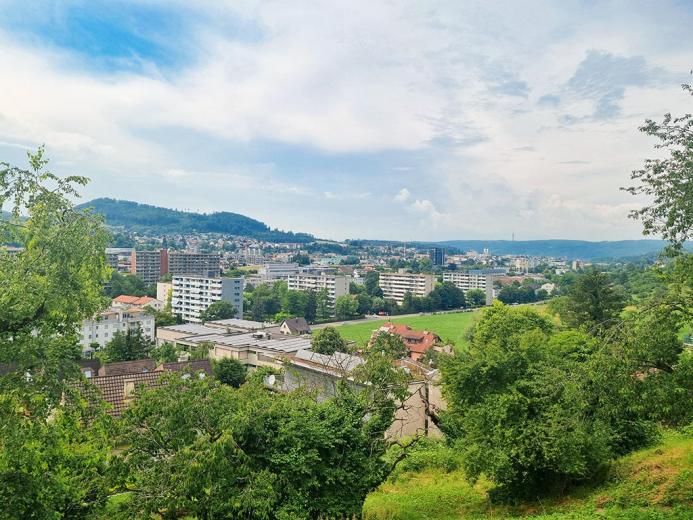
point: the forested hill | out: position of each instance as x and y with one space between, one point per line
143 217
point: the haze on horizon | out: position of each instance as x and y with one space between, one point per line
405 120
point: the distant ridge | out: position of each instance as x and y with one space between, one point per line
144 217
571 249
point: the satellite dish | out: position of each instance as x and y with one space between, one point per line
271 379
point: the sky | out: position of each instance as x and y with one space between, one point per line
424 120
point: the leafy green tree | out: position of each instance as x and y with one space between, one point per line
476 297
448 296
300 259
54 449
125 283
164 317
390 345
219 310
592 302
164 353
363 302
372 284
311 311
201 350
230 371
131 346
328 341
668 181
201 449
322 304
346 307
295 303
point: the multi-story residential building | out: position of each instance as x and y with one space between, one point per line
396 285
437 255
120 258
194 294
475 279
102 328
336 284
206 265
150 265
278 271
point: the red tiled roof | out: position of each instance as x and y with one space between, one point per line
121 368
133 300
417 341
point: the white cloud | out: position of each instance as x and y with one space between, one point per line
403 195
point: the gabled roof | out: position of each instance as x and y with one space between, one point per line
134 300
127 367
417 341
297 325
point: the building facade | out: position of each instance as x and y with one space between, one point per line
194 294
337 285
205 265
396 285
102 328
150 265
437 255
481 279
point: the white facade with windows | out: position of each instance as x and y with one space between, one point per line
102 328
337 285
396 285
193 294
468 281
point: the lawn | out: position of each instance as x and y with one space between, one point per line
650 484
450 327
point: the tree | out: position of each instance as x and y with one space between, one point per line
300 259
219 310
390 345
448 296
125 283
322 303
311 306
131 346
363 304
54 448
592 302
372 284
164 353
198 448
328 341
230 371
476 297
346 307
668 181
295 303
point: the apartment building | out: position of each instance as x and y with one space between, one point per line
475 279
194 294
150 265
396 285
437 255
205 265
103 327
337 285
120 258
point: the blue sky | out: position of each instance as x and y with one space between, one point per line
422 120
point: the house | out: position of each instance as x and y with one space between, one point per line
294 326
125 301
417 342
120 386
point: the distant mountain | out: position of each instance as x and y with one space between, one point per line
143 217
573 249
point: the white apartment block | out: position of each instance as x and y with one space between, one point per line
102 328
336 285
396 285
468 281
193 294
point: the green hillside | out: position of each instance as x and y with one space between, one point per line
656 483
143 217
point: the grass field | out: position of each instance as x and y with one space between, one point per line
450 327
650 484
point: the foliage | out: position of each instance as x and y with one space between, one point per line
198 448
476 297
164 353
649 484
230 372
669 181
517 293
390 345
328 341
219 310
125 283
346 307
536 410
53 450
372 284
165 317
131 346
593 302
143 217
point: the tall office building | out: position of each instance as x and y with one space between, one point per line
396 285
194 294
437 255
206 265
